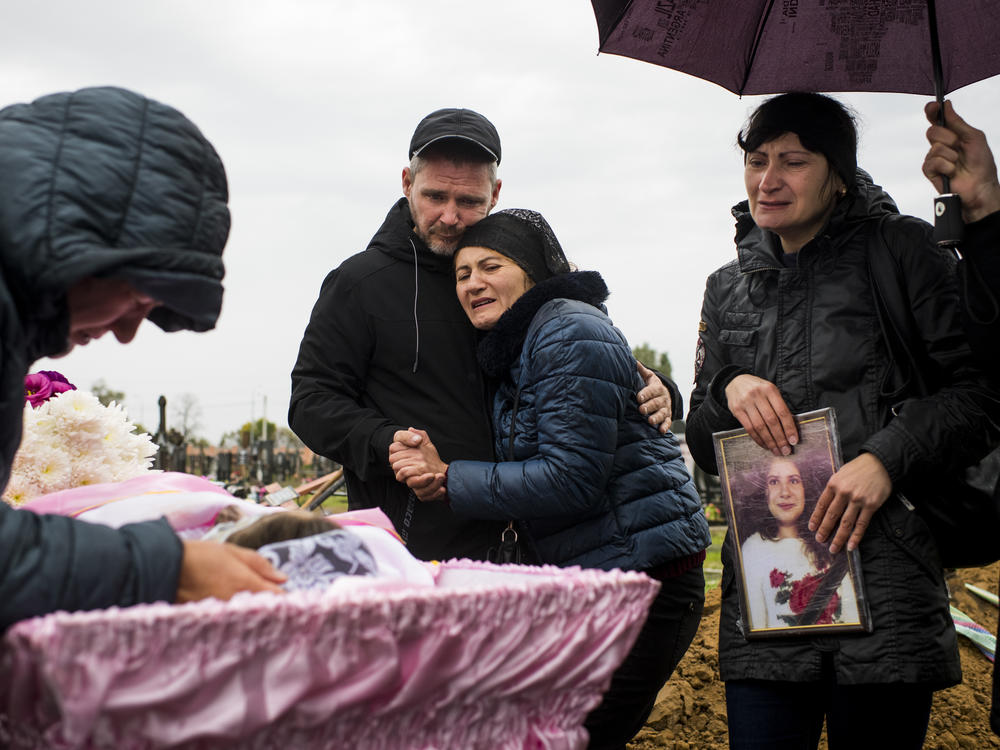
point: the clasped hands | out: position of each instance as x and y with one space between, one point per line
851 496
416 463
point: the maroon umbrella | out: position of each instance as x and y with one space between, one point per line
767 47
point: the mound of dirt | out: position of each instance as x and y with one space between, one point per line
690 712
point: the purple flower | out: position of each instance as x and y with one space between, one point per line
57 377
40 386
61 386
37 389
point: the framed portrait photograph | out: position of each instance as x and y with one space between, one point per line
789 583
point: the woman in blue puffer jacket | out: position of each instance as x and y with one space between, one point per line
586 480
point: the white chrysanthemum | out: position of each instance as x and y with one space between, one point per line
73 440
51 465
20 490
90 470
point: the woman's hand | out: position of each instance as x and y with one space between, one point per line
759 407
416 463
849 501
654 399
960 153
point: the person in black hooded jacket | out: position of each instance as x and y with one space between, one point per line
112 209
789 327
960 152
388 346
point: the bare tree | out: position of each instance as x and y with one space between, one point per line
187 416
288 440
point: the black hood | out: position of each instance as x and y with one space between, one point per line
502 345
105 182
396 238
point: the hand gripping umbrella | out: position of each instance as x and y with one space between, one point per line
772 46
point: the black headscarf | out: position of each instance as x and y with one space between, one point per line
523 236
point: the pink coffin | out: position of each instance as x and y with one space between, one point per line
491 657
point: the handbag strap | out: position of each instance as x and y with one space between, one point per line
895 316
907 349
505 539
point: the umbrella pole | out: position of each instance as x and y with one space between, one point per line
948 224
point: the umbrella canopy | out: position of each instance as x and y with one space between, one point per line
769 46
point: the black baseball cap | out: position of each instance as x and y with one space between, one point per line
463 124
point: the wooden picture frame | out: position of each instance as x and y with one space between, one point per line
789 583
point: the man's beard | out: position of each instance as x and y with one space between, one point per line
438 246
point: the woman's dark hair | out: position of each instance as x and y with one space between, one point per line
279 527
823 124
812 486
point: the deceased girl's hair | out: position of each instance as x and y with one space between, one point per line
279 527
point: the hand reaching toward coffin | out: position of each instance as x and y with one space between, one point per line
210 569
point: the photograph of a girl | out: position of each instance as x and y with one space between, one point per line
791 579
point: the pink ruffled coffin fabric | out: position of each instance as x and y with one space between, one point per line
489 657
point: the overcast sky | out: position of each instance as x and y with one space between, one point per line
311 105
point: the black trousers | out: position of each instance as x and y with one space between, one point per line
669 629
775 715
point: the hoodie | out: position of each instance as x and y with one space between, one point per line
388 347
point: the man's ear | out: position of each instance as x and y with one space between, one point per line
496 194
408 183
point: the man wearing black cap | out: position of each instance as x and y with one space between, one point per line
388 346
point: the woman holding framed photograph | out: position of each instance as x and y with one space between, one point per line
792 326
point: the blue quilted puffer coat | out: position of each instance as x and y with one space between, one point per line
583 474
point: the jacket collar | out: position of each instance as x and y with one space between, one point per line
502 345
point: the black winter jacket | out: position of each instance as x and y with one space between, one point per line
98 182
388 347
812 330
979 288
592 483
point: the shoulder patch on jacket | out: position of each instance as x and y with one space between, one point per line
699 353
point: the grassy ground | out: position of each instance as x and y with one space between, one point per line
333 504
713 561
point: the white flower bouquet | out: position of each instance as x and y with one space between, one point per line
70 439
